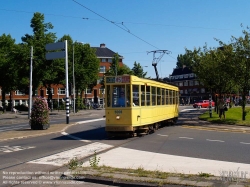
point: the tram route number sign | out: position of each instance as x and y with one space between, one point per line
118 111
118 79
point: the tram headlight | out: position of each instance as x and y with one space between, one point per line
117 117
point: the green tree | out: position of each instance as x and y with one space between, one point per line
138 70
241 55
43 70
186 59
9 79
86 68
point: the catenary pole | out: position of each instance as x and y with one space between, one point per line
30 88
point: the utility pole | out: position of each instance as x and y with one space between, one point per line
30 88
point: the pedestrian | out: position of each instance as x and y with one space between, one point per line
182 101
221 106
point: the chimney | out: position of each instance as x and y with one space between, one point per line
102 45
183 66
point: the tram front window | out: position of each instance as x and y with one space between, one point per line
118 99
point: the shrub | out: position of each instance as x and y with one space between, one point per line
39 114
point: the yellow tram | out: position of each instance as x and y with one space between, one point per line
136 105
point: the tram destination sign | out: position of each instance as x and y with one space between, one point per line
118 79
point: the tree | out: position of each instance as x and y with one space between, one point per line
8 67
43 72
186 59
241 47
138 70
86 68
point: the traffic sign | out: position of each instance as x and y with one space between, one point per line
55 55
55 46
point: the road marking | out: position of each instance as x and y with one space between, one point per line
74 137
89 121
215 140
9 149
162 135
184 110
244 143
64 157
186 138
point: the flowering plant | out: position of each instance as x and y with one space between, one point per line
39 114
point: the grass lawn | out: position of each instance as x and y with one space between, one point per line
233 117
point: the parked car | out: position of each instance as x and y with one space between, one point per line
203 104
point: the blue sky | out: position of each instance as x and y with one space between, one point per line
140 25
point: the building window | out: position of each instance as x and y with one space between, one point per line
186 92
202 90
186 83
110 60
103 59
196 83
99 80
102 69
191 83
181 91
17 92
88 91
186 76
181 76
52 91
61 91
191 75
180 83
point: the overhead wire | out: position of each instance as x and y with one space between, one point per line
115 24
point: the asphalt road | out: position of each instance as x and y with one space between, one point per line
173 140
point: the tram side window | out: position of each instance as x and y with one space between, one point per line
108 96
174 97
163 96
158 96
128 96
118 99
136 98
177 97
167 97
148 95
153 93
170 97
143 95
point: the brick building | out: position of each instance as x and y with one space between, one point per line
58 91
190 88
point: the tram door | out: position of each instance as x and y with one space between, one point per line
136 103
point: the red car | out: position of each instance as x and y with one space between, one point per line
203 104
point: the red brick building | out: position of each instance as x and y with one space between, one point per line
58 91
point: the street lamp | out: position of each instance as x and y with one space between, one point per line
74 93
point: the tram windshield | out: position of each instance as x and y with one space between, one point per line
119 96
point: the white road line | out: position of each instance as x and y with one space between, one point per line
9 149
162 135
186 138
89 121
64 157
74 137
215 140
244 143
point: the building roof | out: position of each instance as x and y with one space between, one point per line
104 52
181 71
